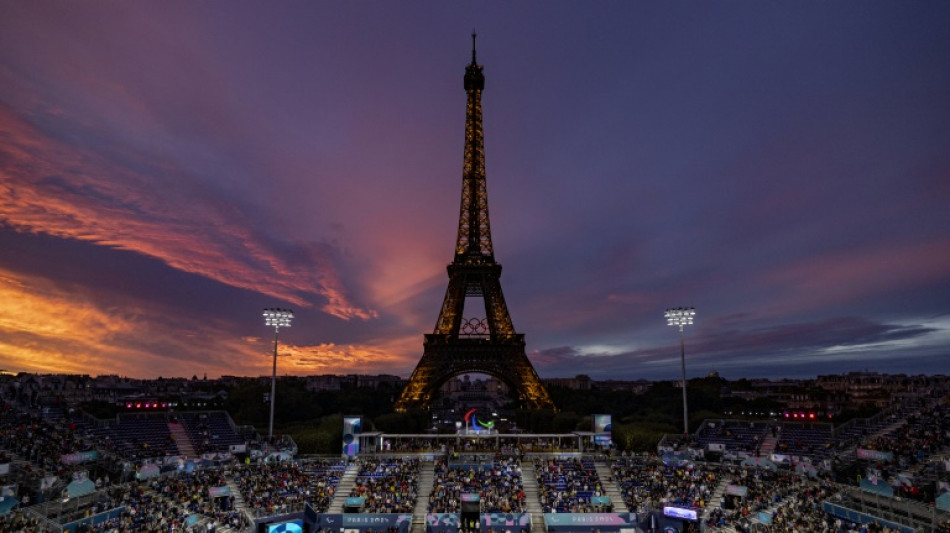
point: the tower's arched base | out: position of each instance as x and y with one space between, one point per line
446 357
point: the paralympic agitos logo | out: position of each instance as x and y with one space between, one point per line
472 420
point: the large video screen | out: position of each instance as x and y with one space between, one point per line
352 427
602 424
293 526
602 430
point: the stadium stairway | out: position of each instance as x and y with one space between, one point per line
768 445
182 440
611 489
529 480
717 499
239 503
343 488
424 488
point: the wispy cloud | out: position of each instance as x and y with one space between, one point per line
840 277
119 198
48 326
748 348
148 176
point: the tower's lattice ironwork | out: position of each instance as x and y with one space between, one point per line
463 344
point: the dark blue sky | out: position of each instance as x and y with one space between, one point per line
168 169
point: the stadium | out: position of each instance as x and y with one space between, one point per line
167 467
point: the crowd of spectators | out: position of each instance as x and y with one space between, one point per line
497 483
40 442
648 483
142 510
18 521
193 493
35 441
276 487
766 491
922 434
791 504
387 485
568 486
159 505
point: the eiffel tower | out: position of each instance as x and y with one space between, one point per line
461 343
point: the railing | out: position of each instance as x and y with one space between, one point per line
899 510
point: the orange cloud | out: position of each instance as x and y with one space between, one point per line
42 331
51 187
342 359
50 327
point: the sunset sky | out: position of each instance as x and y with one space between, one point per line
168 169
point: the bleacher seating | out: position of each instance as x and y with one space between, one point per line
735 435
139 437
272 488
648 483
388 486
497 482
807 439
210 432
567 485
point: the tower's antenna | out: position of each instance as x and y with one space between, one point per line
473 45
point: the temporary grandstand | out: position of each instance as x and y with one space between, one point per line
151 471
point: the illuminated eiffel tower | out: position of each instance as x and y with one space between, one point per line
463 343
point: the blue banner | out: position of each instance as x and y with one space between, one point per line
219 492
585 521
79 457
367 521
874 455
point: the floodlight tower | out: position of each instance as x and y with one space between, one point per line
279 318
682 316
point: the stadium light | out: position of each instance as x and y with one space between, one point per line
682 316
278 318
